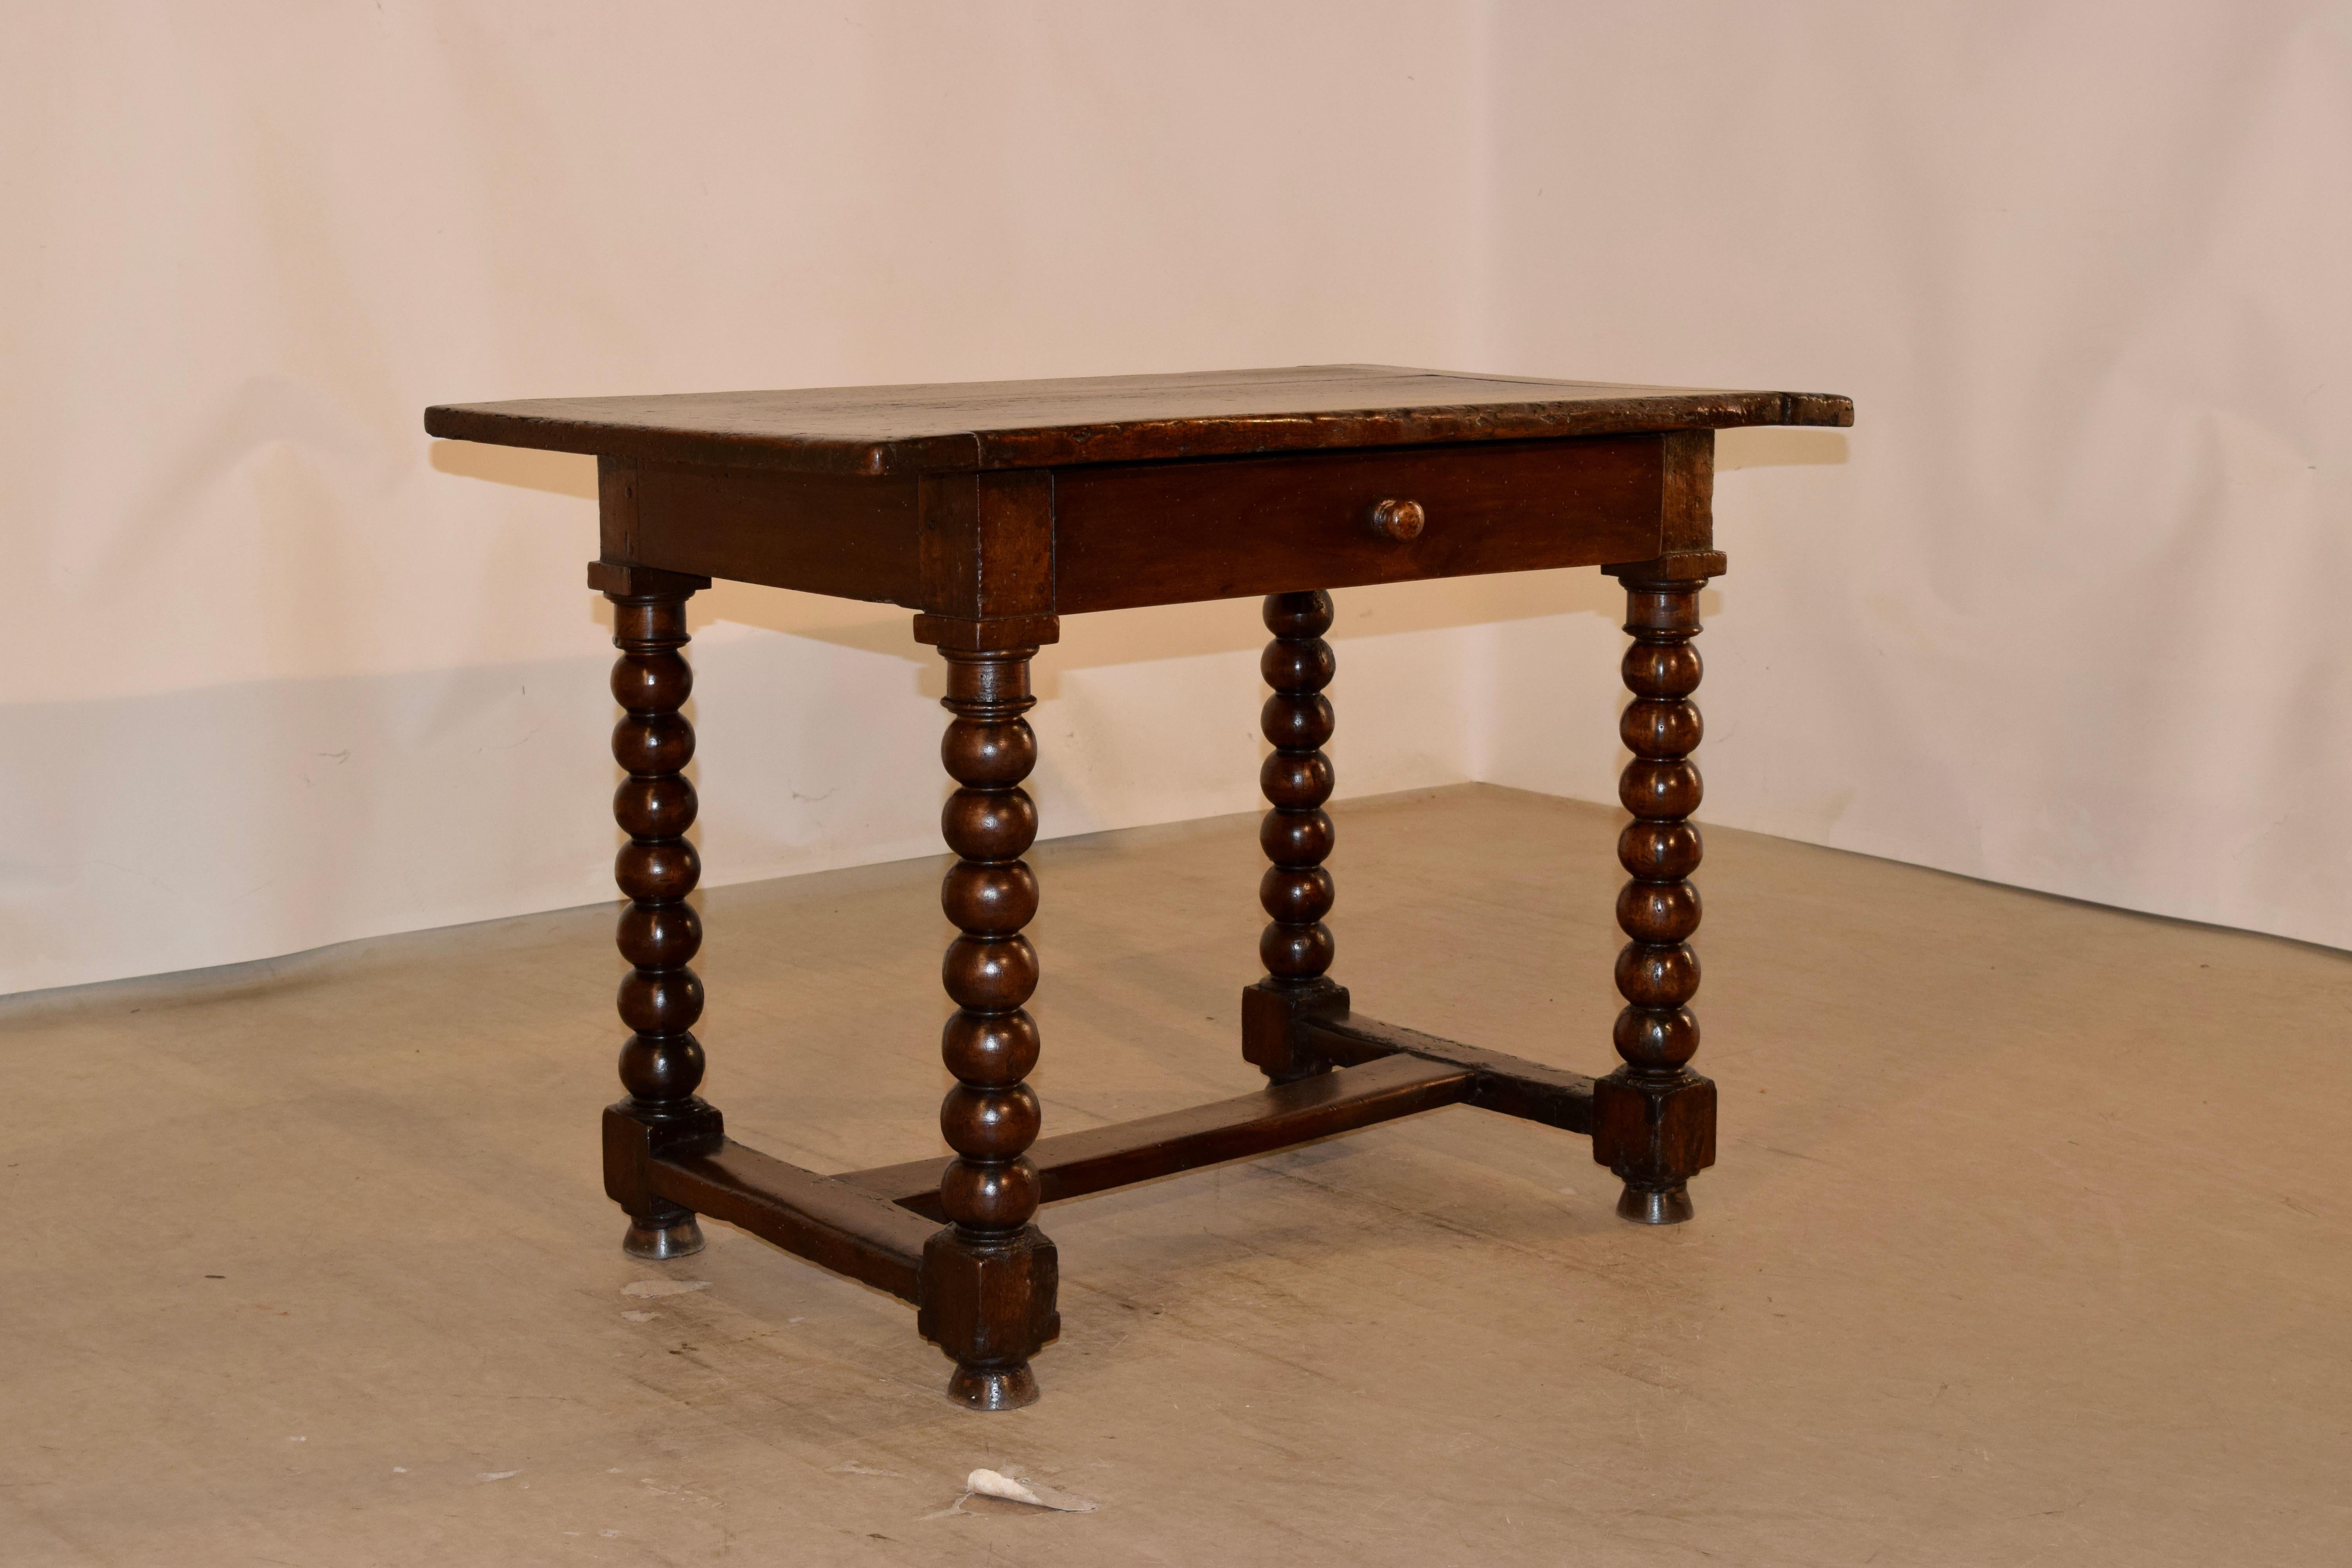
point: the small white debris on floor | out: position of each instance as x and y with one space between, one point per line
639 1317
498 1475
988 1483
854 1468
647 1288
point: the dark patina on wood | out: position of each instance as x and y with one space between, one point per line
992 510
959 426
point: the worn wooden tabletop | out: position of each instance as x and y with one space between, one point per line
1102 419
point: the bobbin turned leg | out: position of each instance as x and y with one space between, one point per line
661 998
989 1277
1654 1119
1295 891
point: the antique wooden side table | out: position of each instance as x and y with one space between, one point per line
992 510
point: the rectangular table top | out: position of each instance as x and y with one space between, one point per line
999 425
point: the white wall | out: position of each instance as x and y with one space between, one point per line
2066 608
294 674
2056 612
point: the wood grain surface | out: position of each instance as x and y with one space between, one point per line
879 430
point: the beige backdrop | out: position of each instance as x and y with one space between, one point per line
2059 611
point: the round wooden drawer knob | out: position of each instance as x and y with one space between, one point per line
1398 520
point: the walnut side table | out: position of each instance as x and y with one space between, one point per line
993 509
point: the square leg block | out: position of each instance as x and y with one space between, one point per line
1656 1136
1274 1038
989 1306
632 1142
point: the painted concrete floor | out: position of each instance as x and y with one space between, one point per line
2031 1241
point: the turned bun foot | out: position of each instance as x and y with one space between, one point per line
1671 1207
655 1243
993 1387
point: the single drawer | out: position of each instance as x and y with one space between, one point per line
1169 533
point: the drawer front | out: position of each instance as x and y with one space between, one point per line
1167 533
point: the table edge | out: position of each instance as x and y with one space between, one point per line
508 424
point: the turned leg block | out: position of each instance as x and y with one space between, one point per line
988 1301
